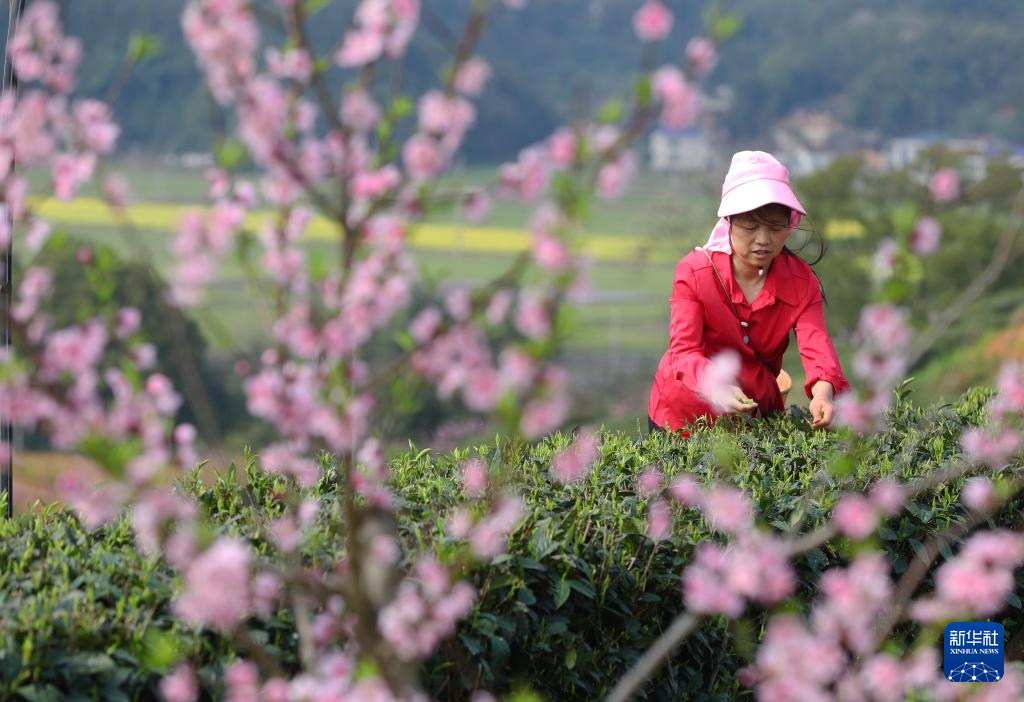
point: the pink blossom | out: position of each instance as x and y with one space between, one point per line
69 172
1009 397
728 509
528 177
499 306
572 464
425 325
489 537
883 262
855 516
649 481
143 356
781 670
550 252
294 64
266 588
659 520
419 617
242 680
532 318
372 185
95 125
969 585
483 390
161 390
285 533
562 148
359 110
93 505
116 190
180 685
283 459
476 206
924 239
719 378
224 37
679 99
702 55
978 495
614 176
995 451
686 491
888 496
703 583
441 115
127 322
216 586
422 157
944 185
472 75
360 48
516 369
474 477
653 21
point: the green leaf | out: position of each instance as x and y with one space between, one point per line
724 26
582 588
642 90
611 112
159 649
46 693
401 107
229 154
1013 600
111 455
472 645
313 6
90 663
142 46
562 590
500 649
570 658
903 218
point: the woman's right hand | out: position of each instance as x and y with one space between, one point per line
740 404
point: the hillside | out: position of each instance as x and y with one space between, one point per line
897 67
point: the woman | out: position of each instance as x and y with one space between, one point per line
744 290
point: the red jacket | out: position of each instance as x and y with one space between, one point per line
702 324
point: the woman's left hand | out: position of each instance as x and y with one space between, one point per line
821 405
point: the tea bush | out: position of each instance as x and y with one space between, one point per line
577 598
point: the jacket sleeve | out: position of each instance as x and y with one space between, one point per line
816 350
686 328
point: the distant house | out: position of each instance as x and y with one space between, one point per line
682 151
975 152
902 152
808 141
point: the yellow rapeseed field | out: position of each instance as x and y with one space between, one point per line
151 216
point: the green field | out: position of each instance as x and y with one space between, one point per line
616 335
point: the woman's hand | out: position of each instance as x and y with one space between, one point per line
821 404
740 403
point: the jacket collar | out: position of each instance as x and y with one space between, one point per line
782 282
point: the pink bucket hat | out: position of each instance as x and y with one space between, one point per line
756 178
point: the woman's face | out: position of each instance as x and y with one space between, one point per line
758 236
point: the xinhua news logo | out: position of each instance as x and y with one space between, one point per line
974 652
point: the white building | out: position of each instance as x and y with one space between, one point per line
682 151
